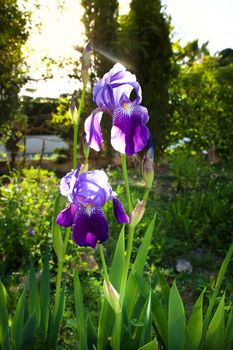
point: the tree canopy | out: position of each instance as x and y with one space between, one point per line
202 98
13 34
100 20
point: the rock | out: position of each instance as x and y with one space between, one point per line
183 266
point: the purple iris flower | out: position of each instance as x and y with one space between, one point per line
87 194
129 133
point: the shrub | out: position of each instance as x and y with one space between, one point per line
26 207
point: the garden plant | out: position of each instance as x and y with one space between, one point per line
137 312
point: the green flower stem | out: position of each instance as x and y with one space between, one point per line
118 318
126 179
116 336
103 262
76 125
59 273
146 194
127 263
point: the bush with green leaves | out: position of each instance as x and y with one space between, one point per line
26 208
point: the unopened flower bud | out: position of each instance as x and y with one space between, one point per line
137 213
83 168
148 165
86 61
73 109
112 296
86 148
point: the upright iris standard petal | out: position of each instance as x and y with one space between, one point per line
66 216
119 211
92 189
129 133
89 228
108 90
92 129
67 183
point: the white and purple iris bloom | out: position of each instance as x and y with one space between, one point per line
87 194
129 133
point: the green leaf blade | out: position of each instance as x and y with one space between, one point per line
217 288
176 320
195 325
45 296
107 315
138 267
29 333
160 318
58 244
215 333
33 295
3 312
18 322
153 345
80 312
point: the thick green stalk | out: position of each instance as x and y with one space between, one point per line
127 263
118 317
116 336
146 194
126 179
76 125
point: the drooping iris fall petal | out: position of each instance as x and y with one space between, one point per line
66 216
129 133
89 228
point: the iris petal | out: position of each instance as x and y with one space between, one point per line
92 188
129 134
89 228
108 90
92 129
119 211
66 216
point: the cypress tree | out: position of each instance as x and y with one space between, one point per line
144 42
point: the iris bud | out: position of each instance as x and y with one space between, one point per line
73 109
137 213
86 148
83 168
148 165
112 296
86 61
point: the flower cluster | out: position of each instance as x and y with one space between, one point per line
87 193
111 94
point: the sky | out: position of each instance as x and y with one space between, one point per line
208 20
61 29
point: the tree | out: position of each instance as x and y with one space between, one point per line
144 42
13 34
202 99
100 20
